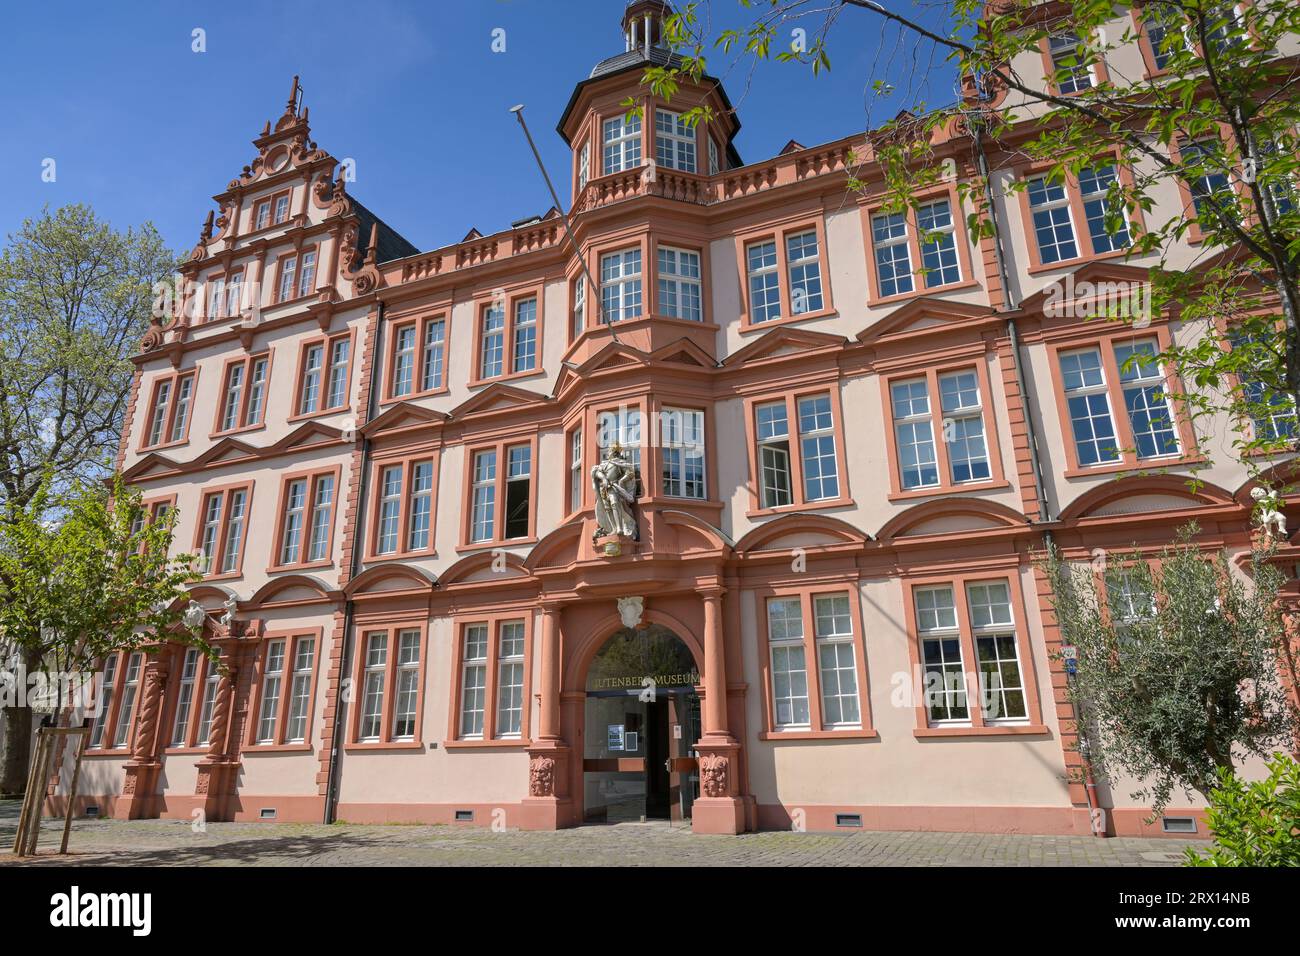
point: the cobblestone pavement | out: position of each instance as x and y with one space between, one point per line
174 843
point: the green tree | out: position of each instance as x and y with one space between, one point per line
1220 119
1176 663
75 299
1257 823
84 573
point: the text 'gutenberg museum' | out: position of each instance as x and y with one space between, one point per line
728 515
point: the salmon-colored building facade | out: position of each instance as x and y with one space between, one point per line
832 450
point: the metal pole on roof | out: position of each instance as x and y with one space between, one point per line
564 217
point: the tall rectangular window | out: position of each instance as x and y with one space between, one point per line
307 519
404 361
307 273
1069 62
938 243
622 143
1049 209
679 284
245 393
323 374
235 518
281 206
714 166
1143 383
518 490
773 432
1095 184
431 369
220 537
272 682
390 509
817 449
288 273
941 654
510 679
963 416
1164 29
483 500
682 442
805 272
185 697
169 411
579 318
215 296
300 690
309 396
374 678
473 683
575 470
1088 403
337 395
918 464
584 165
789 666
624 427
1206 172
421 506
764 282
492 341
1002 687
235 294
407 685
893 253
837 669
207 707
105 702
126 708
674 141
524 335
620 285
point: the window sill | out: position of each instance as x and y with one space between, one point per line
244 430
123 752
1004 730
150 449
1038 268
304 566
184 751
747 327
865 733
275 748
949 490
411 396
398 556
1152 464
224 576
806 506
320 414
492 545
958 286
505 744
508 377
383 745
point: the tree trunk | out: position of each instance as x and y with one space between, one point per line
16 740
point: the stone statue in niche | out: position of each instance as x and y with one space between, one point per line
614 483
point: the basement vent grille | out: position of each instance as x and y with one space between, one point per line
1178 824
848 820
267 813
464 816
92 810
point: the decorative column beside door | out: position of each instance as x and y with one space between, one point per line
718 809
140 780
548 805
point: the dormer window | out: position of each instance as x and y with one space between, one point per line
622 139
674 142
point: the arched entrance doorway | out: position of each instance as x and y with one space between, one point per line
641 724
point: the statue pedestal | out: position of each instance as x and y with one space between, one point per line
548 805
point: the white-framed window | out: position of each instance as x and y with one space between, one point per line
215 295
892 252
125 709
679 284
622 426
1002 686
1142 382
1203 160
184 697
805 271
938 243
715 166
373 678
307 273
236 410
105 702
1087 401
1094 186
234 397
519 480
918 464
817 449
525 336
404 361
789 666
681 436
407 684
262 217
622 143
304 659
773 434
620 285
417 538
579 305
941 655
1069 62
584 164
435 338
473 681
390 509
1049 208
510 679
288 275
234 531
211 684
674 141
492 348
272 682
483 496
336 394
575 470
281 208
764 281
295 506
837 668
963 417
234 294
311 375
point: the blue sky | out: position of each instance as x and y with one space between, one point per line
142 127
